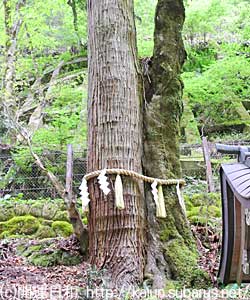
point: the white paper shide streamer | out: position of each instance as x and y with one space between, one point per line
161 209
180 197
155 193
84 195
103 181
119 201
159 200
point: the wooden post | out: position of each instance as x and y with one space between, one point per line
69 171
207 159
242 262
80 230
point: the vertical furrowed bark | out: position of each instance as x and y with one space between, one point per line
116 237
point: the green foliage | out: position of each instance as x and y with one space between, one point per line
214 94
213 29
200 57
144 16
203 208
50 19
66 119
224 21
240 19
203 17
217 42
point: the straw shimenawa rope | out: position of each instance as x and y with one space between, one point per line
136 175
119 201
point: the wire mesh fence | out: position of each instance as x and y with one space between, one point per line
20 175
193 164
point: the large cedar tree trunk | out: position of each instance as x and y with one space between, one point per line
116 237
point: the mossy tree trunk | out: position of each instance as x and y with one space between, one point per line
116 237
171 250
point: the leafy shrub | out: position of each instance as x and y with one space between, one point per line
214 94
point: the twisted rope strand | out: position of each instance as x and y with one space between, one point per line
136 175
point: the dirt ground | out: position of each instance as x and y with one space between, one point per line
22 281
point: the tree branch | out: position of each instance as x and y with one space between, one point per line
66 194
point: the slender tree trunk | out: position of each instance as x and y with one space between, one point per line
171 252
116 237
12 28
72 4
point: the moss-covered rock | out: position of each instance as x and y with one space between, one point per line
36 209
46 208
57 257
29 250
6 213
43 259
22 209
49 210
46 222
46 254
68 259
62 228
39 214
44 232
20 225
61 216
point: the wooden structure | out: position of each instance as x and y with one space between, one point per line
235 189
207 159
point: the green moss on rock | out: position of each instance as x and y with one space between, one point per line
6 213
22 209
26 252
36 209
20 225
49 210
46 254
46 222
43 259
53 258
62 228
68 259
45 232
61 216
